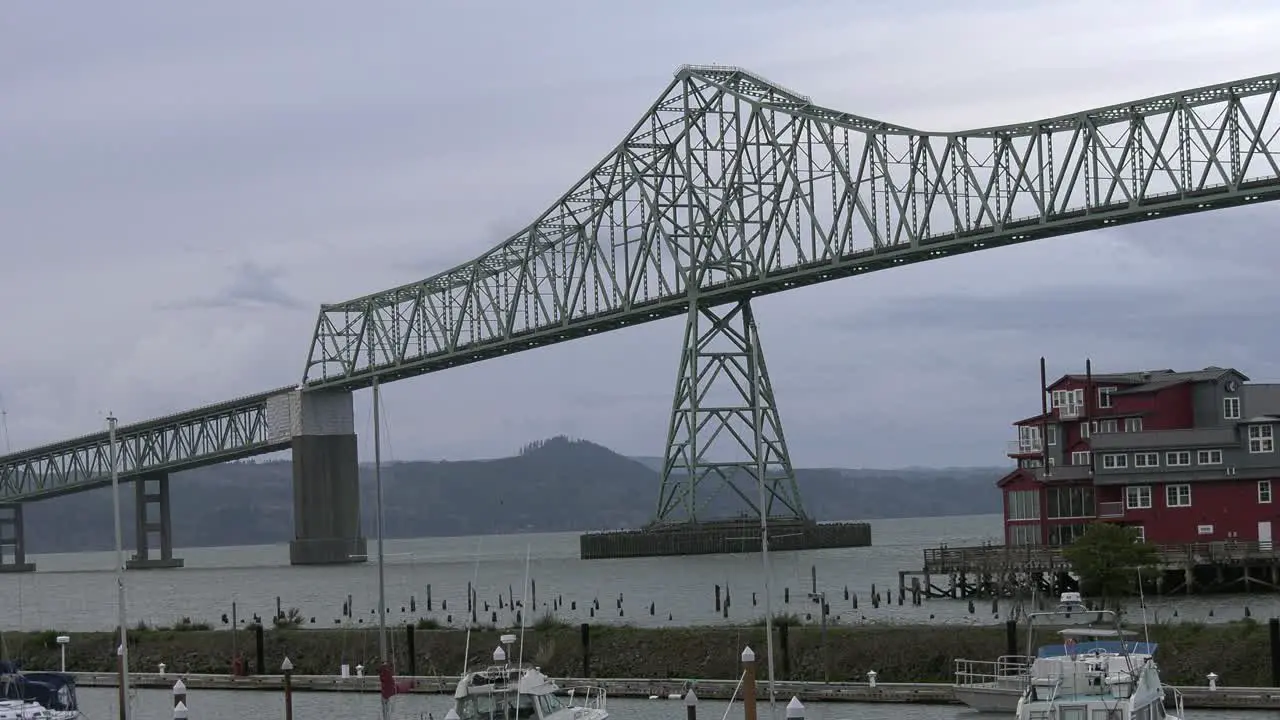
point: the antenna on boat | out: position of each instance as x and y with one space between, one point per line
524 616
1142 600
475 576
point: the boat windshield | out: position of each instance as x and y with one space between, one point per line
496 706
548 704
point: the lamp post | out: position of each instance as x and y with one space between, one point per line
62 649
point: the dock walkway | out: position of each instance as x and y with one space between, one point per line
1001 570
851 692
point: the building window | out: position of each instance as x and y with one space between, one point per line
1264 491
1065 534
1024 505
1141 533
1147 459
1209 457
1104 396
1177 496
1028 438
1108 426
1177 458
1261 439
1084 430
1029 463
1080 457
1024 534
1115 461
1053 434
1133 424
1137 497
1066 398
1231 408
1069 502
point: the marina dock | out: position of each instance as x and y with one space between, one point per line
883 692
985 571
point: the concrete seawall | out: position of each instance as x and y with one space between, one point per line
917 693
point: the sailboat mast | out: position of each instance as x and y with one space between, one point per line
377 483
115 501
382 579
757 421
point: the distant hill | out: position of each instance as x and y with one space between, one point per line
550 486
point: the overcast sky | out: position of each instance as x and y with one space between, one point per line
182 184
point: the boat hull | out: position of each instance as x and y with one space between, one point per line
1000 696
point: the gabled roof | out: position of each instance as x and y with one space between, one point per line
1142 381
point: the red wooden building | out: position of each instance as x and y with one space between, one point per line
1184 457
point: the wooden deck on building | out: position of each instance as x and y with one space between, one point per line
999 570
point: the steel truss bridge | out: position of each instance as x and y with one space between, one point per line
730 187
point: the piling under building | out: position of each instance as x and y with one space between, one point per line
722 536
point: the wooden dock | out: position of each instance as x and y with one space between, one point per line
848 692
1004 571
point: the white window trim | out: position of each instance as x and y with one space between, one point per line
1142 532
1087 456
1139 491
1154 457
1133 424
1264 436
1171 458
1175 490
1104 396
1231 408
1206 457
1084 430
1053 435
1115 461
1264 485
1108 426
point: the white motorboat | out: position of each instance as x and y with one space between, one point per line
1097 673
1014 682
53 692
513 691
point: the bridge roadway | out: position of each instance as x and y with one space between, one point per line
729 187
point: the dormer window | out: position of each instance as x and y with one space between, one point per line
1261 439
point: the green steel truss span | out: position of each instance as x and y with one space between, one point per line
730 187
212 434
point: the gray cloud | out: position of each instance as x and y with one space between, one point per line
210 174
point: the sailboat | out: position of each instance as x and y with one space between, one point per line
388 685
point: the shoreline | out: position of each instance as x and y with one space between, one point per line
1236 651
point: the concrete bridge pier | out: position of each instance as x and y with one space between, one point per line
152 518
13 547
326 481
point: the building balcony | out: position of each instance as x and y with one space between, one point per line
1074 411
1111 509
1023 447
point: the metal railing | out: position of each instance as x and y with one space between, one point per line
1018 447
591 697
1111 509
1006 671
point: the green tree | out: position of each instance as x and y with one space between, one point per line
1108 557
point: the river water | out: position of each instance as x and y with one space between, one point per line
76 592
100 704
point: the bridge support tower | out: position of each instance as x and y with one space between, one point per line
13 548
725 434
152 520
326 481
724 442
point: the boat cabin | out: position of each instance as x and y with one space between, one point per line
54 691
507 693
